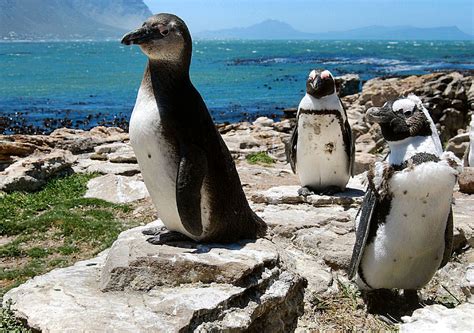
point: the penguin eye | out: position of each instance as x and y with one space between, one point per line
164 32
407 113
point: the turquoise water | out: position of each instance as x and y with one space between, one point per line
82 84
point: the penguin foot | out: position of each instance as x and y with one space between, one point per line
305 191
154 231
168 237
411 298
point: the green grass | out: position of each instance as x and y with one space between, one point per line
8 322
55 227
260 157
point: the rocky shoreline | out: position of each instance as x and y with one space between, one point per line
300 272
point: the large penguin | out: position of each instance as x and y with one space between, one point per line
185 164
321 149
405 225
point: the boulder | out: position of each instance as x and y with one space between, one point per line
33 172
348 84
187 288
263 122
458 144
437 318
117 189
466 180
79 141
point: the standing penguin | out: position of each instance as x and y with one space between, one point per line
405 225
322 147
469 154
185 164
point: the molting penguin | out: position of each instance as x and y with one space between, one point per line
469 154
405 225
185 164
321 148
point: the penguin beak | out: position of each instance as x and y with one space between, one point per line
312 85
378 115
137 36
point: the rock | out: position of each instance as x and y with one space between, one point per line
468 283
437 318
263 122
289 195
284 220
116 152
116 189
123 156
450 122
135 264
212 288
463 210
363 161
458 144
10 149
333 243
285 126
466 180
348 84
98 157
290 113
111 147
33 172
79 141
124 169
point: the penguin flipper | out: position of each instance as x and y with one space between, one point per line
349 141
448 239
191 172
465 157
291 148
365 213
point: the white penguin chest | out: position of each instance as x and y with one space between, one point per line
408 248
321 154
157 158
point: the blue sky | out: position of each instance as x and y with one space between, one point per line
319 15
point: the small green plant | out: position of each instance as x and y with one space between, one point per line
349 291
260 157
9 323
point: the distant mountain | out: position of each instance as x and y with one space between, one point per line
272 29
69 19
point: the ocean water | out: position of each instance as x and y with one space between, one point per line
45 85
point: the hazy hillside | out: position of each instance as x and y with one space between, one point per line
272 29
69 19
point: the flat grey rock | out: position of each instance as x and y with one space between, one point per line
116 189
252 290
124 169
353 195
134 263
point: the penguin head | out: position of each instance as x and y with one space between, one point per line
401 118
162 37
320 84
